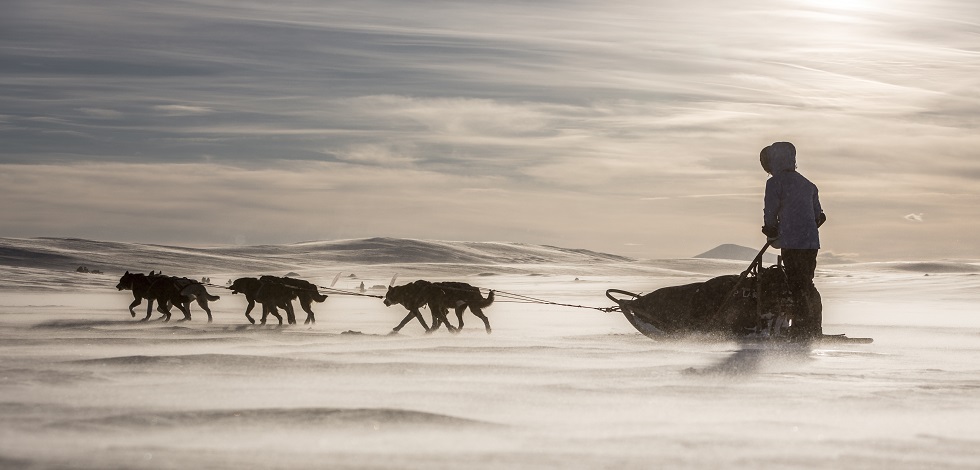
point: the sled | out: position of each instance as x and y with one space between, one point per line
754 306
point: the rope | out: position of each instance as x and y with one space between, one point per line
531 300
330 290
215 285
514 298
523 299
334 290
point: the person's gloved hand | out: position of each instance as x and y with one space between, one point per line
772 235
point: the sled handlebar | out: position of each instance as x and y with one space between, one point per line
610 292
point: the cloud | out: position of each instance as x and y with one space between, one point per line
101 113
915 217
182 110
375 154
575 117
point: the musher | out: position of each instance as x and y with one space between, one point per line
791 217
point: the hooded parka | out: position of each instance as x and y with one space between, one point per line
792 206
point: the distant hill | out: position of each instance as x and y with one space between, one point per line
114 257
738 253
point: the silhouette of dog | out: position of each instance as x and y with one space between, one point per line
140 286
306 292
155 287
440 297
192 290
277 292
271 295
414 296
459 296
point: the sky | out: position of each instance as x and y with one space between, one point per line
629 127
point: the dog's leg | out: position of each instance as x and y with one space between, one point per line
404 322
436 322
417 314
203 303
248 310
275 312
149 309
460 309
479 313
305 303
185 308
290 313
265 314
440 312
134 305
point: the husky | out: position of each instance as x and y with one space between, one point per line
140 286
154 287
305 291
440 297
460 295
275 293
271 296
192 290
414 296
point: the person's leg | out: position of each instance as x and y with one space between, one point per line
800 267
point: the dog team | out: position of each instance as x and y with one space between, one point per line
274 293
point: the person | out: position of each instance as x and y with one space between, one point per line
791 217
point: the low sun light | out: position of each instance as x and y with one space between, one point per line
842 4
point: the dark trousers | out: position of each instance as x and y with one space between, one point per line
800 267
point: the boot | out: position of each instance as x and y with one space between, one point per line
805 329
807 321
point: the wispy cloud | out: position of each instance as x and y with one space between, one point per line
181 109
587 113
101 113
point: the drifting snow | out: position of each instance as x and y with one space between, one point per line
83 385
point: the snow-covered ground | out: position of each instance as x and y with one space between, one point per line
84 385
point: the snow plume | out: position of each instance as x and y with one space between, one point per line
915 217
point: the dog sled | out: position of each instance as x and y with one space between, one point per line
754 306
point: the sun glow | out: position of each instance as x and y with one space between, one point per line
841 4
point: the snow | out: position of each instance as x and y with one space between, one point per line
83 385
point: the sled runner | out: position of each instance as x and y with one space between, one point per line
755 305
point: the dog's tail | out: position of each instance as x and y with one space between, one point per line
318 296
486 302
212 298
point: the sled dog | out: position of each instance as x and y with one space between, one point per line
439 297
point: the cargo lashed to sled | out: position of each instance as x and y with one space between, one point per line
701 308
757 304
